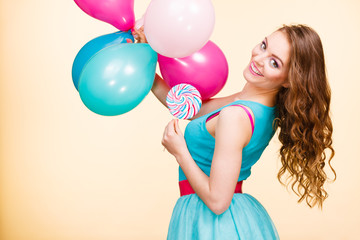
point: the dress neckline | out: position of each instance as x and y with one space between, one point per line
240 101
243 100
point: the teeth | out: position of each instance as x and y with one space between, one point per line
254 69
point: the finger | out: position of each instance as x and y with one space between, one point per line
137 31
128 40
134 31
171 127
163 138
166 130
177 127
142 38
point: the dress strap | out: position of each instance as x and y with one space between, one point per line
249 115
246 110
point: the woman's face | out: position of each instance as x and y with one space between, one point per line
269 65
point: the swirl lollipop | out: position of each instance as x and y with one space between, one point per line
183 101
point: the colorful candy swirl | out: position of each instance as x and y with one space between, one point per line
183 101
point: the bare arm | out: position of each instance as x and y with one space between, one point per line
233 132
160 88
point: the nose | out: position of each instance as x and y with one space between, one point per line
259 58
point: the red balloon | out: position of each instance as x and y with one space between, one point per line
207 70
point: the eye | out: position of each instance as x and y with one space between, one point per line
273 63
263 45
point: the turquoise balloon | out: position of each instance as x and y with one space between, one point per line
118 78
94 46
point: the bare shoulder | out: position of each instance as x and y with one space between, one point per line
233 122
235 113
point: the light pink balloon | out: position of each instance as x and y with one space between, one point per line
119 13
178 28
207 70
139 23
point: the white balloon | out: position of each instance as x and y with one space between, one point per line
139 23
178 28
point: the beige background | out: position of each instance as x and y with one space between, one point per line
69 174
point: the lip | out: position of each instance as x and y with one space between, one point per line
255 72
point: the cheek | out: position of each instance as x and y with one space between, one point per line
255 51
275 75
280 78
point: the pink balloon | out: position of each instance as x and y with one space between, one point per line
119 13
139 23
178 28
207 70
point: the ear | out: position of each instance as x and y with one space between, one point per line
286 84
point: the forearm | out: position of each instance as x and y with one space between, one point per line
199 181
160 89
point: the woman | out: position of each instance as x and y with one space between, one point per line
286 88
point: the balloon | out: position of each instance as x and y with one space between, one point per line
119 13
118 78
207 70
139 23
178 28
94 46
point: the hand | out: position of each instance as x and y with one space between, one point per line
173 139
138 34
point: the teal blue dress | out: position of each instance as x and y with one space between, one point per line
245 218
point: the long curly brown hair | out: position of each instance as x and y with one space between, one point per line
303 118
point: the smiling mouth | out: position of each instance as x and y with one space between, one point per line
254 70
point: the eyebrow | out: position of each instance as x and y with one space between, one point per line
267 44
